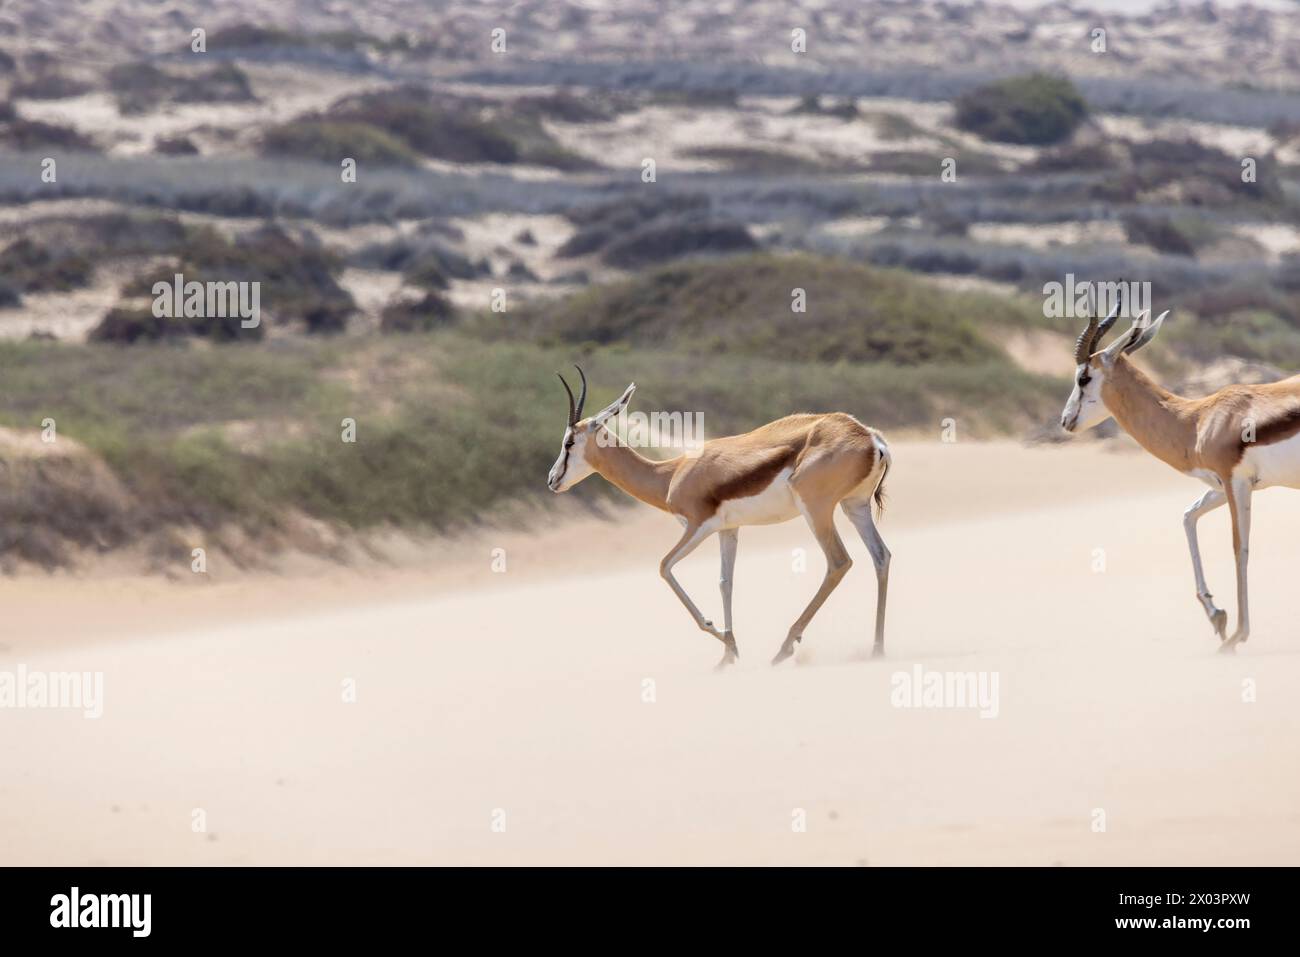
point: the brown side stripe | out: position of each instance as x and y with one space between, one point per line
753 481
1277 429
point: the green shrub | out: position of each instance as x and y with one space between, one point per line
32 267
413 116
126 326
423 314
142 87
328 141
1180 235
1037 109
175 146
297 276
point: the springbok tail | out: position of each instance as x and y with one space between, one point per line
879 495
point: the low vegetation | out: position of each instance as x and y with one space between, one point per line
631 233
248 36
1180 235
329 141
748 305
143 87
446 427
29 266
396 127
1252 321
127 326
420 315
1037 109
297 276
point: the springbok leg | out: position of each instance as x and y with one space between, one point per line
1207 503
859 514
821 520
689 541
1239 506
728 538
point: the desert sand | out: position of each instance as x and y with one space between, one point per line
565 710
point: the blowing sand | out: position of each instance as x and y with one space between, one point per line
570 702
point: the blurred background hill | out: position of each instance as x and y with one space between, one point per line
500 151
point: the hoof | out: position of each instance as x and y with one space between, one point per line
731 654
787 650
1229 647
1220 622
878 651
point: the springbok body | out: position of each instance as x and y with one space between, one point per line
800 465
1240 439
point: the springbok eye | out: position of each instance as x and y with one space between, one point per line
1084 379
569 444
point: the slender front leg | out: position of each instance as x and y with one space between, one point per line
838 563
1239 505
690 539
1207 503
728 538
860 515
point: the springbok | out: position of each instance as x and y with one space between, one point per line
1241 438
798 465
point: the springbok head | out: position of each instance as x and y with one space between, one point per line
1085 407
575 462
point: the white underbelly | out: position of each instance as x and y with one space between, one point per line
776 503
1275 464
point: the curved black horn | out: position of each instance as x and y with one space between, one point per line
573 415
1083 345
1104 328
582 396
1086 344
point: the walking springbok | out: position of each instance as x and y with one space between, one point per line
801 464
1241 438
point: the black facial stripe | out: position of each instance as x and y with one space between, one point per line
565 466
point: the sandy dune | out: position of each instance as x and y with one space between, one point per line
525 693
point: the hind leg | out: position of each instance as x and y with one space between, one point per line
728 538
859 513
821 520
1239 505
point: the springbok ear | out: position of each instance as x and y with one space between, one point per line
1123 344
1148 332
614 407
